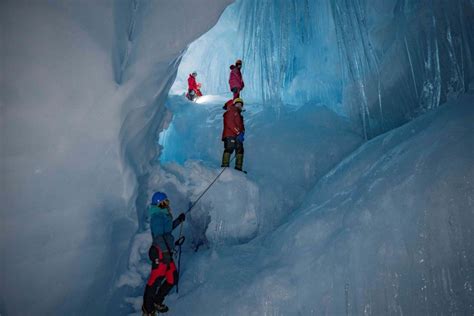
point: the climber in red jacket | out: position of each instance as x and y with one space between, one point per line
233 134
194 88
236 82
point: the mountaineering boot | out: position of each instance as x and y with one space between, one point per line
225 159
239 161
161 308
145 313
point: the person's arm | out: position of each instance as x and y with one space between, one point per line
238 124
192 83
229 122
158 231
166 248
181 218
154 256
234 78
235 124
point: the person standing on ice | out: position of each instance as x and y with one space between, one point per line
164 274
194 88
233 134
236 82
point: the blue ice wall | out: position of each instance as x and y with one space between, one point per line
289 51
82 90
402 57
380 62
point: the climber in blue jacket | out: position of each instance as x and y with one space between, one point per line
161 255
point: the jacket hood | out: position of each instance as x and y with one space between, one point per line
232 67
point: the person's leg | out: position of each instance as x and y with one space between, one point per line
158 273
192 94
229 145
165 288
239 155
154 281
236 92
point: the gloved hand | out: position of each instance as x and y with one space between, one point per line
180 241
153 254
182 217
241 137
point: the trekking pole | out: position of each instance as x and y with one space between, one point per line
208 187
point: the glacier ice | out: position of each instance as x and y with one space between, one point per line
289 149
277 41
320 246
324 223
387 231
379 62
75 117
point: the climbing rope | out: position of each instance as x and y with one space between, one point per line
179 243
181 238
207 189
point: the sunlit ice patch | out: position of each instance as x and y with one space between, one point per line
212 99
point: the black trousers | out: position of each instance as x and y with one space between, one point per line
231 144
162 278
150 298
236 92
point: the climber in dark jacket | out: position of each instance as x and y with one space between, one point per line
164 274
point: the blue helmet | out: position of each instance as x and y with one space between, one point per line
158 197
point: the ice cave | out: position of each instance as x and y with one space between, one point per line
358 196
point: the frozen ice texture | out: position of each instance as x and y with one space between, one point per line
387 231
381 63
78 122
86 138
